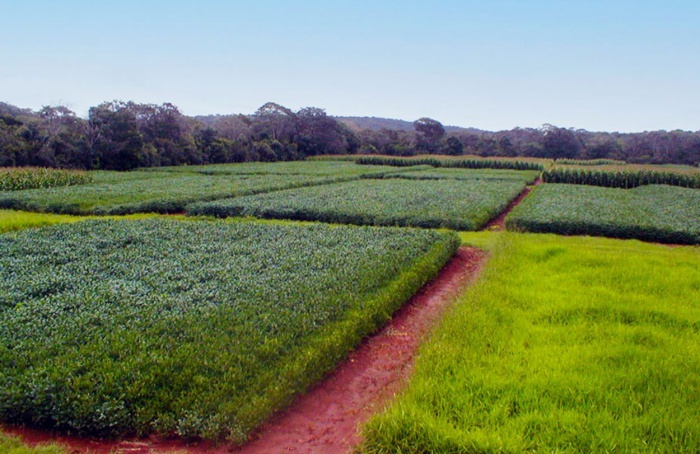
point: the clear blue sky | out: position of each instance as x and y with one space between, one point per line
615 65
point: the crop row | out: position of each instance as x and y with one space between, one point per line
621 176
589 162
19 178
465 163
310 168
658 213
190 327
431 173
450 203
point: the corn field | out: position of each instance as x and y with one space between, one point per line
18 178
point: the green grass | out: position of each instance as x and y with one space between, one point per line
162 192
13 445
656 213
449 203
563 345
194 328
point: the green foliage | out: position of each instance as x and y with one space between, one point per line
623 176
18 178
13 445
195 328
160 192
563 345
658 213
450 203
461 162
589 162
431 173
308 167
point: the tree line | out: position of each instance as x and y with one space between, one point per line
121 135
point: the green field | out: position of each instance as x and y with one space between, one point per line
564 345
194 328
656 213
450 203
526 176
12 445
312 168
162 192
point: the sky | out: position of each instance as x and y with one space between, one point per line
613 65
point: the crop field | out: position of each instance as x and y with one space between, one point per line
652 213
564 345
162 192
18 178
450 203
526 176
623 176
114 327
466 162
313 168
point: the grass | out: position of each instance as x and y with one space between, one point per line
449 203
563 345
656 213
13 445
192 328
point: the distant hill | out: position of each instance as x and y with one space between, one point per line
377 123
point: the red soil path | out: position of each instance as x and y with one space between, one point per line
326 419
498 223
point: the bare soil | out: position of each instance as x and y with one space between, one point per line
499 222
326 419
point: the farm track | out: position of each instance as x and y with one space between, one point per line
326 419
499 222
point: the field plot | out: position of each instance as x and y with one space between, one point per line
450 203
564 345
624 176
196 328
652 213
314 168
526 176
139 191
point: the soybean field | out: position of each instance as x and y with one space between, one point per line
118 327
657 213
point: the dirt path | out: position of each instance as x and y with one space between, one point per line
326 419
498 223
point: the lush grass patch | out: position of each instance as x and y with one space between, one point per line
18 178
19 220
196 328
457 204
564 345
161 192
652 213
13 445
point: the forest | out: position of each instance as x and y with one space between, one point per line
120 135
